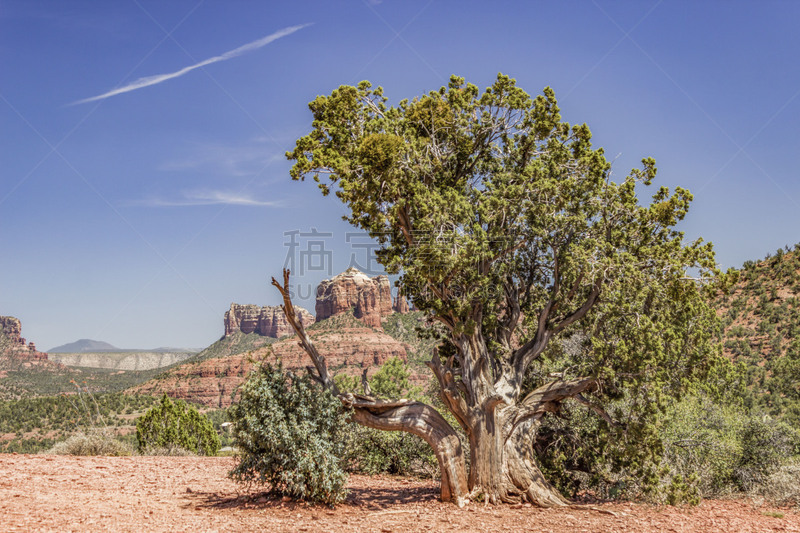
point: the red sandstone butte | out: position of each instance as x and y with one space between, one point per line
215 382
12 344
369 298
400 304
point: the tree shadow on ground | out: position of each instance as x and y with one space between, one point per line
365 498
381 498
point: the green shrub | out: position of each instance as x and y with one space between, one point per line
371 451
96 442
683 491
288 432
728 448
171 424
783 485
766 444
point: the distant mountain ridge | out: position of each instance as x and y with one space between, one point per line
84 346
92 346
136 361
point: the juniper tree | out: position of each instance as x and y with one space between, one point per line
506 227
176 423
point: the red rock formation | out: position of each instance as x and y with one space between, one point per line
400 304
215 382
369 298
12 344
12 329
268 321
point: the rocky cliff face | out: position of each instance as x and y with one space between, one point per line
348 345
369 298
268 321
12 344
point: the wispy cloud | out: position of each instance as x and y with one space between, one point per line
200 198
245 158
159 78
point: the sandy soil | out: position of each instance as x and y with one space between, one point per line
64 493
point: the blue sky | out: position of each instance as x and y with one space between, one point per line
137 218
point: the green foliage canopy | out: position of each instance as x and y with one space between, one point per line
493 208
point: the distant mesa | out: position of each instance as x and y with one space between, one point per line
98 354
12 344
122 360
84 346
267 321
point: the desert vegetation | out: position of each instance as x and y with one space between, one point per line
171 425
36 424
287 432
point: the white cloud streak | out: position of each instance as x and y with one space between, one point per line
247 158
159 78
191 199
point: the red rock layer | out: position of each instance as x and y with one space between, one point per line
400 305
215 382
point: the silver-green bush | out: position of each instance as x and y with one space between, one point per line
288 433
95 442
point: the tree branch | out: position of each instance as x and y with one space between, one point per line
581 311
596 408
451 394
523 356
558 390
547 399
305 341
425 422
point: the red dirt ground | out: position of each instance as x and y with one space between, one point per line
64 493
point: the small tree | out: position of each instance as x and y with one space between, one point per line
288 434
170 424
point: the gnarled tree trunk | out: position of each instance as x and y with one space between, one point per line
425 422
502 466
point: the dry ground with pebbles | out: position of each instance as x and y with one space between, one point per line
64 493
